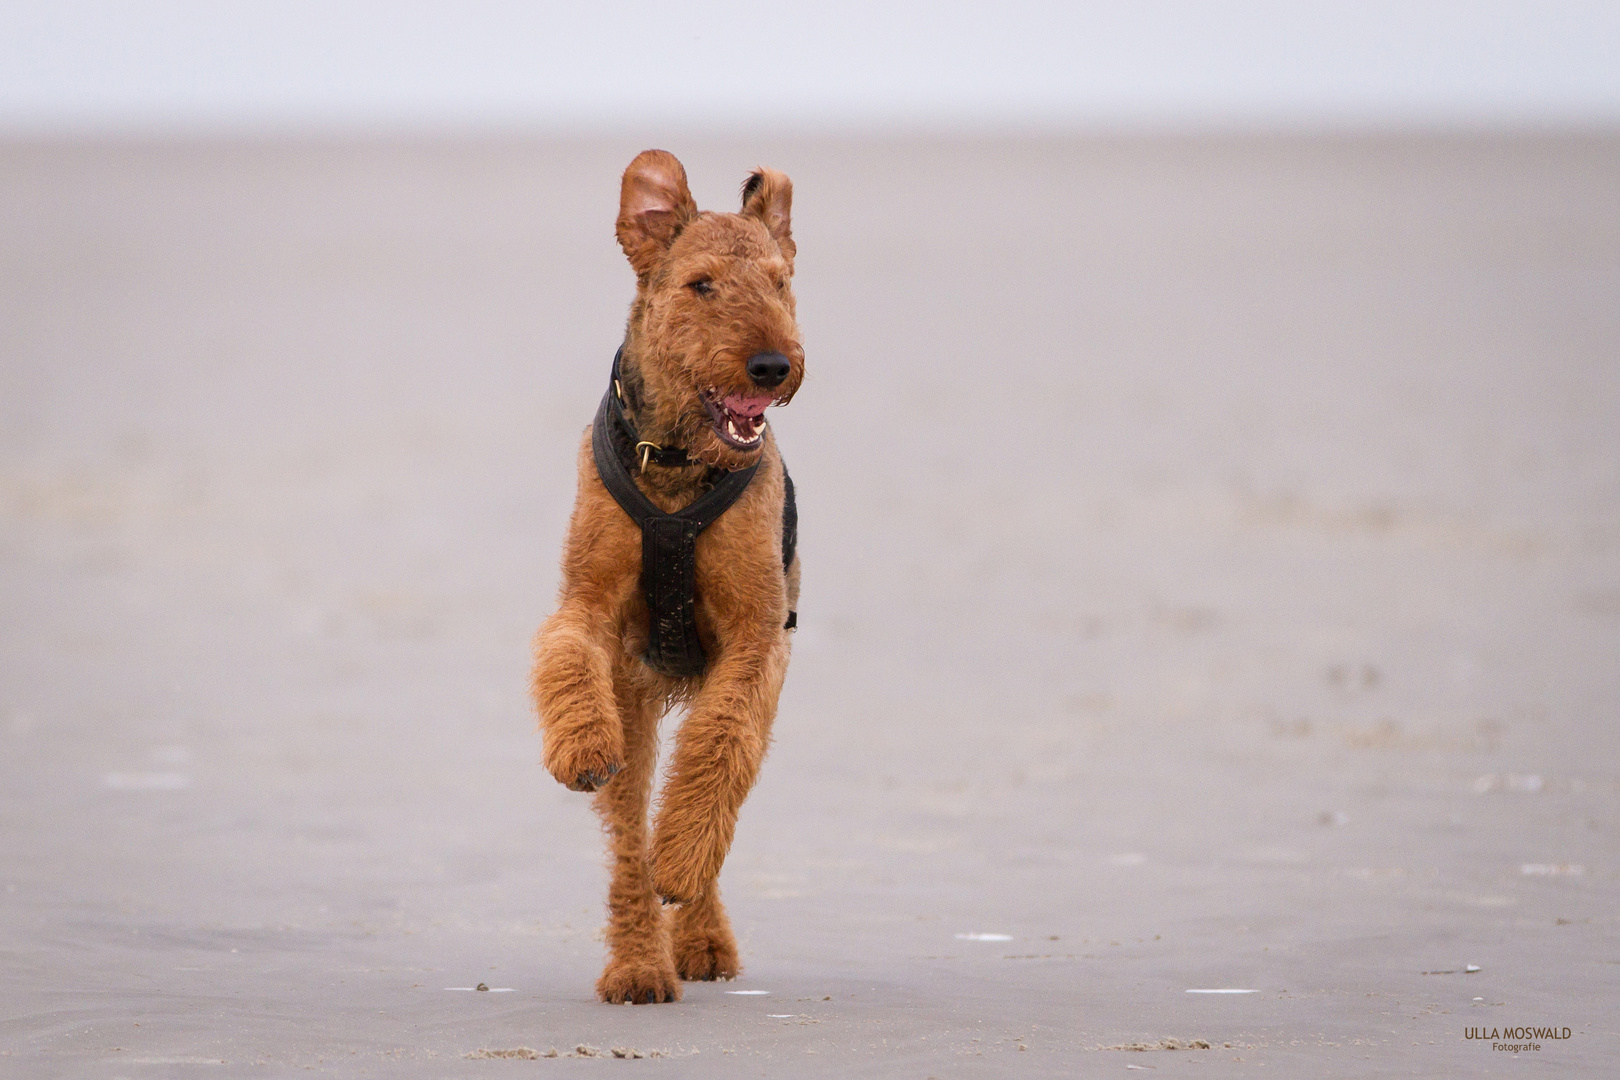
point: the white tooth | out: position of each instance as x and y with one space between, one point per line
731 426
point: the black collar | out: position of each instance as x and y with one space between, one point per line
641 451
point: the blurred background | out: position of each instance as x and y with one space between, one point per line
351 66
1209 478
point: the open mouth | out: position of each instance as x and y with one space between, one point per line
739 419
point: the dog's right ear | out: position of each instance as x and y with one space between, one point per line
654 205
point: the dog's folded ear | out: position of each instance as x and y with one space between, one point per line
654 205
768 196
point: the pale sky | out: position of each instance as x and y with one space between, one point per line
183 65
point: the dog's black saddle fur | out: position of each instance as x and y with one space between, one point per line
669 541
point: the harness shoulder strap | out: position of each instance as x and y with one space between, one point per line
790 536
615 475
790 520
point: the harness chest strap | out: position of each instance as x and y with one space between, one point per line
669 541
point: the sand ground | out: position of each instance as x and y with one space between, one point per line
1212 582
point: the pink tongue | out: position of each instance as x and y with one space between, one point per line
738 405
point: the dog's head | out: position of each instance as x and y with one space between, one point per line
713 329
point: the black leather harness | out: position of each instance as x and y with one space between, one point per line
669 541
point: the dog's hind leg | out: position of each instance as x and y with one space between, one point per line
704 946
640 968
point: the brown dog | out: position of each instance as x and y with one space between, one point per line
712 340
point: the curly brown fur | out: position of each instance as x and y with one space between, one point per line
712 290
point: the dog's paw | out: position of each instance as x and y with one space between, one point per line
682 862
638 984
591 780
584 767
705 956
673 888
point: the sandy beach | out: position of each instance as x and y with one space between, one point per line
1210 644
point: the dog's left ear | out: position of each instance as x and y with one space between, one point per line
768 196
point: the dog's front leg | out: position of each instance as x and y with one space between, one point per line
640 968
717 756
573 688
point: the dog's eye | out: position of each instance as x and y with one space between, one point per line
701 286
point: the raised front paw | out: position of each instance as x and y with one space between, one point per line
583 764
639 983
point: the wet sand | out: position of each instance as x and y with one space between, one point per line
1212 582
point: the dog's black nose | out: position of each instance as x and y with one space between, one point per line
768 369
